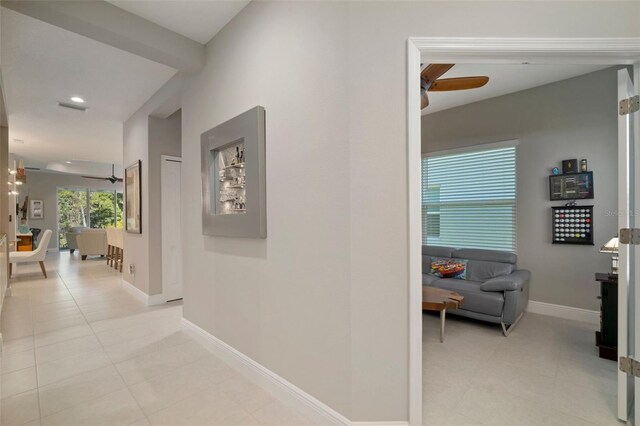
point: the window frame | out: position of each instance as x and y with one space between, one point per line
512 143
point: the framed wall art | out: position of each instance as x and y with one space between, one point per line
573 186
133 198
572 225
233 177
36 209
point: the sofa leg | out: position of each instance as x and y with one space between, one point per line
72 250
84 257
506 329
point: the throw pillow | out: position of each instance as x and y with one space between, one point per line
449 268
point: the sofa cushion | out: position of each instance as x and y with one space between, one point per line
486 264
448 268
77 229
428 279
434 251
478 270
487 255
475 300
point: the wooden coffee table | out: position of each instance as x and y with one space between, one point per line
437 299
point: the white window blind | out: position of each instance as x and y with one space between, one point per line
469 199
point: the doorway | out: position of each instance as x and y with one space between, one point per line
514 51
171 228
86 207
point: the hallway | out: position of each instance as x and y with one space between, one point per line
80 350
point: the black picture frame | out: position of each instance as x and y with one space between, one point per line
571 186
133 198
572 225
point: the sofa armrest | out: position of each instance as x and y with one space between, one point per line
511 282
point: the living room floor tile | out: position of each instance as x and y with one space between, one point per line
98 356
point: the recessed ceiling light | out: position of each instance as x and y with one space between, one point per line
77 99
68 162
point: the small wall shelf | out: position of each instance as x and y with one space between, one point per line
233 177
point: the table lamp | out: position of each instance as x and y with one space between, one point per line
612 247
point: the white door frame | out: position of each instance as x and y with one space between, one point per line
614 51
163 160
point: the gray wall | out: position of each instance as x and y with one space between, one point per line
323 301
283 300
44 186
137 146
574 118
165 136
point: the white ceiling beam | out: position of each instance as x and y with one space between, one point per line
116 27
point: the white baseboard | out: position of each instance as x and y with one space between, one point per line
156 299
315 410
565 312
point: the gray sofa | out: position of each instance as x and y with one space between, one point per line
494 289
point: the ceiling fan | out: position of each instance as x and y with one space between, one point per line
430 81
112 178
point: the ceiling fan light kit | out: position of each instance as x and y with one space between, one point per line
430 81
113 178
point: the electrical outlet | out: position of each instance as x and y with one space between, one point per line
132 269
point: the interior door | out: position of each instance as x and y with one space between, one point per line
171 229
628 274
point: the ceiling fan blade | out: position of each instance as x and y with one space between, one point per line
424 100
460 83
94 177
434 71
119 179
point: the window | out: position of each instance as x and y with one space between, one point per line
93 208
469 199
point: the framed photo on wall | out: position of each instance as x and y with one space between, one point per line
36 209
133 198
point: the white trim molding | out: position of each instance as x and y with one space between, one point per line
609 50
565 312
606 51
262 376
287 392
155 299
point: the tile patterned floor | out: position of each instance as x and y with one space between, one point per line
79 350
547 372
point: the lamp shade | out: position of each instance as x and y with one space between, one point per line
611 246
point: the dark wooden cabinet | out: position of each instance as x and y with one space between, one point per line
607 337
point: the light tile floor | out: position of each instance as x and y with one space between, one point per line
79 350
547 372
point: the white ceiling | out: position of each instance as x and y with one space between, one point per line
503 79
43 64
197 20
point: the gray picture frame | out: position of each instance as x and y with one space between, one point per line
246 130
133 198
